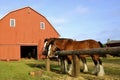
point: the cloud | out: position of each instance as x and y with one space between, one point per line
82 10
67 16
77 10
57 21
108 33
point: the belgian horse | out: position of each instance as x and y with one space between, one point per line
55 44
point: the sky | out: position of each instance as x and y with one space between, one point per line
75 19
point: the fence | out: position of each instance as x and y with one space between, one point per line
74 53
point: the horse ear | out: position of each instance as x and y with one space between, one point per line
52 41
45 40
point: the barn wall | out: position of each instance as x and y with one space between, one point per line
113 44
26 31
9 52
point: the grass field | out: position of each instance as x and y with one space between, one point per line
20 70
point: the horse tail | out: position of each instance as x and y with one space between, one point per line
101 45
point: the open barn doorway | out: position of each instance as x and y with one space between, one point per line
28 52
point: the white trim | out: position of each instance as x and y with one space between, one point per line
12 24
42 25
34 44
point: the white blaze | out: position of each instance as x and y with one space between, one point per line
45 45
49 50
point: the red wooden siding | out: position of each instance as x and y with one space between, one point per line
9 52
26 32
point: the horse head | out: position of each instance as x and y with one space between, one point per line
52 49
51 45
57 44
47 42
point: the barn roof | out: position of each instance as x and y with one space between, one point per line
113 41
34 11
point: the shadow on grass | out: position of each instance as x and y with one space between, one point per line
35 65
53 67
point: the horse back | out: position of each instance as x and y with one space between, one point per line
69 44
85 44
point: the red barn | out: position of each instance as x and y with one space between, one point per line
113 43
22 34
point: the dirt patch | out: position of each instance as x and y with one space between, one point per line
36 73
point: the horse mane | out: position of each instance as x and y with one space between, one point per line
70 40
61 38
101 45
57 39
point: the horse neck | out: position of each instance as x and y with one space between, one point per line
62 43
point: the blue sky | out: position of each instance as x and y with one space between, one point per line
76 19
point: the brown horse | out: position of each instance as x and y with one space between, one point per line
55 44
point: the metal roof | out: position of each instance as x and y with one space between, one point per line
113 41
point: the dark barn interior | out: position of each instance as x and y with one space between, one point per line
28 52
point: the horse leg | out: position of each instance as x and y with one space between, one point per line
63 65
96 65
85 68
66 66
101 69
58 61
70 66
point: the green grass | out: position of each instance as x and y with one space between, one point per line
19 70
15 70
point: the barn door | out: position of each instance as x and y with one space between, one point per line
29 52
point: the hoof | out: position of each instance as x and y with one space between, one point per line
84 71
94 73
101 71
101 74
69 73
